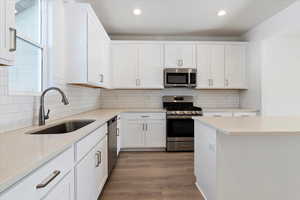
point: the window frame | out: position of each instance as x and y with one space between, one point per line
42 46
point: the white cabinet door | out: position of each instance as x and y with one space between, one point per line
133 134
95 52
235 67
106 69
155 135
63 190
7 32
210 66
180 55
217 66
203 66
86 186
125 65
92 172
101 172
151 65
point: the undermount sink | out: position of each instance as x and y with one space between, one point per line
65 127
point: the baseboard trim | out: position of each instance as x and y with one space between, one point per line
200 190
143 149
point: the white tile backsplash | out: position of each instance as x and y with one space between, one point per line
18 111
153 98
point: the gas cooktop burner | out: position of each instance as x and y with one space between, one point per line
181 106
190 112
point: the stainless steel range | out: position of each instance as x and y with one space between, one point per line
180 125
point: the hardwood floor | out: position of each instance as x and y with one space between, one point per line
152 176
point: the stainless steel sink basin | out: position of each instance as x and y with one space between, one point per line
63 128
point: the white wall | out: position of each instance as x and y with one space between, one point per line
21 111
280 76
285 23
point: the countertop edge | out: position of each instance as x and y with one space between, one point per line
248 133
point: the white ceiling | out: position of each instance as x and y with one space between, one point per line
184 17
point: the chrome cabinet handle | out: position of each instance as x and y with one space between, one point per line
145 116
118 132
146 127
180 62
227 82
137 82
212 82
98 158
45 182
101 78
143 127
13 40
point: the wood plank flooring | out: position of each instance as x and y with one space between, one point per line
152 176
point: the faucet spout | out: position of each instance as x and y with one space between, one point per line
42 116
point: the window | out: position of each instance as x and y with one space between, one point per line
27 74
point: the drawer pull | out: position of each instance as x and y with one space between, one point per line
145 116
48 180
99 159
217 115
13 42
118 132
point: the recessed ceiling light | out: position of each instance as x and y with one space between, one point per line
137 11
222 13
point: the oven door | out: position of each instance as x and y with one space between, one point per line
175 79
179 130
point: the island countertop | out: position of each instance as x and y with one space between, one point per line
255 125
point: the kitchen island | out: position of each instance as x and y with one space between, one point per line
246 158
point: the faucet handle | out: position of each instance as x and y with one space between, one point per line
47 115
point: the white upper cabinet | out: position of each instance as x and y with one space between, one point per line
125 65
235 66
210 66
217 66
221 66
180 56
7 32
151 66
87 47
137 65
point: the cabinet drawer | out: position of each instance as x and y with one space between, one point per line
244 114
218 114
87 143
144 116
31 187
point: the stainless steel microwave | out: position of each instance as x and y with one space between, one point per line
180 77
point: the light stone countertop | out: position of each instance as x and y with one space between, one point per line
254 125
230 110
21 153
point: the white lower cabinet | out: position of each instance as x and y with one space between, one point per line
133 134
92 172
144 130
155 135
79 172
36 185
